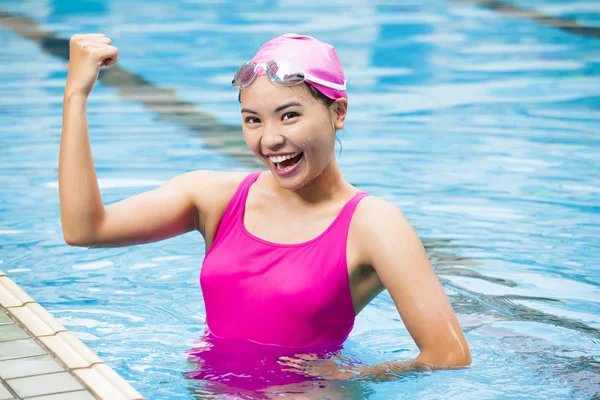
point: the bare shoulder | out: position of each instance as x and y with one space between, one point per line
210 188
218 181
211 192
382 228
374 213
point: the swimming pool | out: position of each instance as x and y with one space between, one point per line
481 127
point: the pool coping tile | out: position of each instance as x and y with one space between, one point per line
11 295
107 384
71 350
98 379
39 321
117 381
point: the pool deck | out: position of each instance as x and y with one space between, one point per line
40 359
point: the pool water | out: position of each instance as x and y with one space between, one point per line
482 128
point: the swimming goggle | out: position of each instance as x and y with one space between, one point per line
282 72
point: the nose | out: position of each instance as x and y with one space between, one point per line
272 138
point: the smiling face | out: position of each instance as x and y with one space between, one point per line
289 130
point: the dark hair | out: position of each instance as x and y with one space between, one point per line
320 96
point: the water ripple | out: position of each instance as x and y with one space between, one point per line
482 128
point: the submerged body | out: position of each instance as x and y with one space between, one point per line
266 300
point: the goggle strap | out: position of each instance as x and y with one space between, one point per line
328 84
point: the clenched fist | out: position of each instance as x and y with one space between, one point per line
86 55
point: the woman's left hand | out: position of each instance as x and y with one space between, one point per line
329 369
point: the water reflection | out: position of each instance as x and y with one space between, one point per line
227 368
494 161
515 11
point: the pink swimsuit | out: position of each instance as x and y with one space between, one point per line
288 295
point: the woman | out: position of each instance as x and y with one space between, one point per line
292 254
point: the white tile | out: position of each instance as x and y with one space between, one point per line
12 332
44 384
20 348
79 395
22 367
4 393
5 319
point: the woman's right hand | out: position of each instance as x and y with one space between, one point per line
88 52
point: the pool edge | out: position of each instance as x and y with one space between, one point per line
75 357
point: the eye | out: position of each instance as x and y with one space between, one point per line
290 115
251 120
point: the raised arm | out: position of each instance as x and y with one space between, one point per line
398 256
81 208
185 203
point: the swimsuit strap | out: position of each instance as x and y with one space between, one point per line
345 216
335 238
235 207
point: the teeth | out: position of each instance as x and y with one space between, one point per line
278 159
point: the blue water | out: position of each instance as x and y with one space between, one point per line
482 128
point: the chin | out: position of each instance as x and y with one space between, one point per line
291 182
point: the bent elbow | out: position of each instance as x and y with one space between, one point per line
460 361
76 240
453 359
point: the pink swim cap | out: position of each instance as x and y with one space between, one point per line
315 57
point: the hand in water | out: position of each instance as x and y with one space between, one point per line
340 368
330 368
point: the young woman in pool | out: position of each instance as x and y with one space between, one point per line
294 253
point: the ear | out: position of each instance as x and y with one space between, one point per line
340 109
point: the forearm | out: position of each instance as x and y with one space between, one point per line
81 207
391 369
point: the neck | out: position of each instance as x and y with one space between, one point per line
322 188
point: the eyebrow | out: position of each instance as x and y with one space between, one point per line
287 105
280 108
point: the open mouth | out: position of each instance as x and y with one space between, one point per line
287 162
